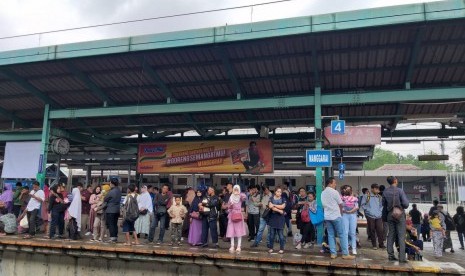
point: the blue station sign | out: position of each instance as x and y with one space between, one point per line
318 158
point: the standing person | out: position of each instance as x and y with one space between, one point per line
332 205
93 200
459 220
289 197
434 207
161 203
253 212
85 204
96 200
425 229
44 214
236 225
415 214
303 220
349 216
385 224
189 197
372 204
177 213
263 221
395 198
225 211
450 226
37 196
209 217
130 215
438 233
6 198
17 200
365 191
57 207
144 201
312 207
276 221
75 211
112 209
195 229
168 205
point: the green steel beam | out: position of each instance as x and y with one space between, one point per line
20 136
385 16
318 146
230 70
89 83
86 139
443 94
9 114
45 140
414 55
159 82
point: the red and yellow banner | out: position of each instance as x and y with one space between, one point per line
226 156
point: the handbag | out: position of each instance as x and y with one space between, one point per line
236 217
317 217
195 215
266 213
304 215
397 212
24 223
143 212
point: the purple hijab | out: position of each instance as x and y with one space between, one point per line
7 195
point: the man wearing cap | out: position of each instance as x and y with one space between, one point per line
372 204
395 197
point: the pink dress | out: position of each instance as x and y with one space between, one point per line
236 229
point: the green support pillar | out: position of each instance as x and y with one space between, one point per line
318 170
44 147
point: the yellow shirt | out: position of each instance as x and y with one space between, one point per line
435 224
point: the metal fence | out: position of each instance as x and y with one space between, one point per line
455 190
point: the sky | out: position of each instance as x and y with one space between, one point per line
19 17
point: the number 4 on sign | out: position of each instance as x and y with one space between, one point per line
338 126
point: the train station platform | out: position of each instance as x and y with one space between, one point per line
40 256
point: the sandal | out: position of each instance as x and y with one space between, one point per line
238 249
127 243
231 249
27 237
135 243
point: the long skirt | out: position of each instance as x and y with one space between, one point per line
438 240
142 224
195 232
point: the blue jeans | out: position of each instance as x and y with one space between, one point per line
273 232
350 228
157 217
261 228
337 226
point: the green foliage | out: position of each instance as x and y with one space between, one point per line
382 157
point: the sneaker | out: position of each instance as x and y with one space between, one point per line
171 244
348 257
308 245
88 233
375 248
452 251
354 251
158 242
299 246
333 256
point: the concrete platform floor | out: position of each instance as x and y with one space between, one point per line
367 258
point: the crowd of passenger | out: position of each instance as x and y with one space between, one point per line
202 218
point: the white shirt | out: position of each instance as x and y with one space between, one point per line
34 203
331 199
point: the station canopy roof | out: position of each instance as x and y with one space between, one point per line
379 66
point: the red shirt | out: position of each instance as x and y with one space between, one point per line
85 202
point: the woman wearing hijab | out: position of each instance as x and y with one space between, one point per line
144 201
195 229
236 225
75 213
6 198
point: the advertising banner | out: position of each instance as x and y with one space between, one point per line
225 156
355 136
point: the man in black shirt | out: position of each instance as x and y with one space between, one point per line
416 218
224 211
395 197
210 217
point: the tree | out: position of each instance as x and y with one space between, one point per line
382 157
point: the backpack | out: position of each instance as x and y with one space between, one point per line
450 225
131 209
461 220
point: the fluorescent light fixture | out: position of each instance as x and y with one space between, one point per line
402 141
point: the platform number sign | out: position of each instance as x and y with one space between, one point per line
338 127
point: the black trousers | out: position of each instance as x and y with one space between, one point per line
112 224
223 222
16 210
58 219
33 221
253 222
308 232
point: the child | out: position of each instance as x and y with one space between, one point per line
438 232
425 229
177 212
413 245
